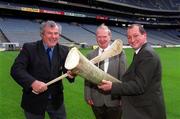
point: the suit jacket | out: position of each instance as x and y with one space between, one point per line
116 68
141 90
32 64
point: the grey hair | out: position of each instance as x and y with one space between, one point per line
50 24
103 26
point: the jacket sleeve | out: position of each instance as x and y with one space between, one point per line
19 69
122 64
136 82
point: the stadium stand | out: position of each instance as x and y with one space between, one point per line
120 32
161 36
78 34
18 30
20 21
152 4
23 30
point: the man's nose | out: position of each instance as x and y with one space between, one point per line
54 35
132 39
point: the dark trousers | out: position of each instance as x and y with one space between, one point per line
105 112
53 114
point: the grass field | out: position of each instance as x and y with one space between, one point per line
10 92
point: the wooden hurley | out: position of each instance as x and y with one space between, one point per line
54 80
115 49
79 64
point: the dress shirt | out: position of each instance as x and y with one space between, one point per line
106 61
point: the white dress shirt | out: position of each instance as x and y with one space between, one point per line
106 61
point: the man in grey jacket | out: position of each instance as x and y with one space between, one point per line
103 104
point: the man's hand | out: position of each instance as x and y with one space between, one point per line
90 102
105 85
71 74
39 86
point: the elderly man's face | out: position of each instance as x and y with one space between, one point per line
103 38
50 36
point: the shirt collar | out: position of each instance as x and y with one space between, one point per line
136 51
100 49
46 47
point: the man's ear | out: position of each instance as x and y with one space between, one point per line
145 34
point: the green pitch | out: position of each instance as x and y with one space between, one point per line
10 92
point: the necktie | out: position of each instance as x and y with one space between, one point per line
49 55
48 52
101 64
134 56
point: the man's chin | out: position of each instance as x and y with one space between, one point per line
52 44
104 46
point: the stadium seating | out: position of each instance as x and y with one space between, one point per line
23 30
18 30
74 32
151 4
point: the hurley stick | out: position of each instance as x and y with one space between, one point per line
116 48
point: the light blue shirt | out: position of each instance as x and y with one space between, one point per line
51 51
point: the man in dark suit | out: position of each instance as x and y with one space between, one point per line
141 90
103 104
37 63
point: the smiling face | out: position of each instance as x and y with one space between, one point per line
103 37
136 38
50 35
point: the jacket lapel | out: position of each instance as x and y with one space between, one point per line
43 56
94 54
112 64
54 57
131 67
